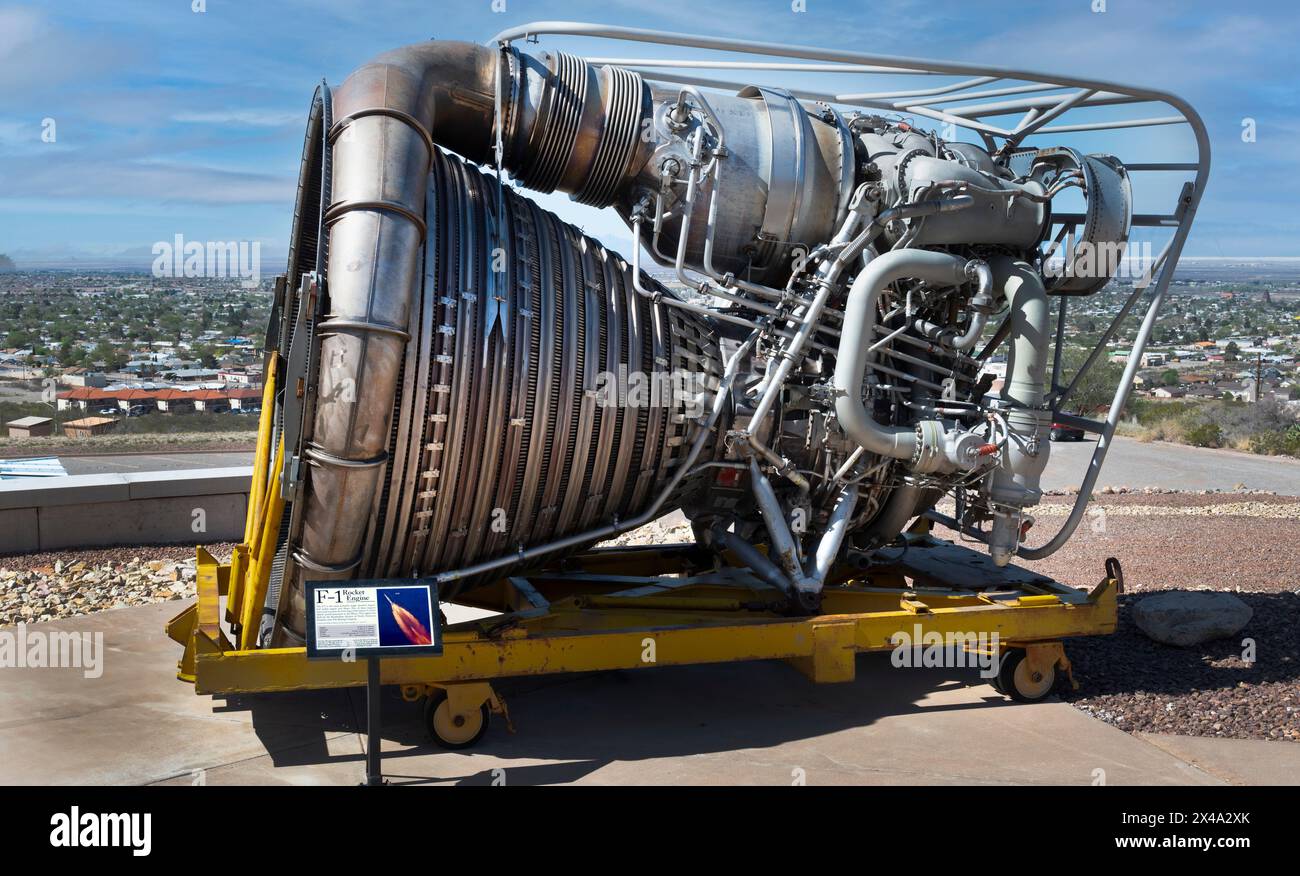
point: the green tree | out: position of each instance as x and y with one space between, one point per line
112 357
1097 388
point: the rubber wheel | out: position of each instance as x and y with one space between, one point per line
1016 680
453 732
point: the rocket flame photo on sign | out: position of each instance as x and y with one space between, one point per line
405 617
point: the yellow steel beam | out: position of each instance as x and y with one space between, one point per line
208 584
238 574
833 654
261 551
265 428
826 643
253 517
180 629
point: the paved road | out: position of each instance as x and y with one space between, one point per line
132 462
1133 464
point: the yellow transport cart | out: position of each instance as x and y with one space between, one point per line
641 607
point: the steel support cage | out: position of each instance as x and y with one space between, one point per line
965 97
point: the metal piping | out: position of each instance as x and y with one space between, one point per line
981 305
1015 483
752 557
387 113
898 442
560 124
828 548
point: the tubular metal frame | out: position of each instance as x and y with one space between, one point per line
1027 98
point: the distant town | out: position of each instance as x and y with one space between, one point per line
85 353
81 352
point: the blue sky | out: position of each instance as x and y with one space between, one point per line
169 121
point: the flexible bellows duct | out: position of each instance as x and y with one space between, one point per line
458 415
506 435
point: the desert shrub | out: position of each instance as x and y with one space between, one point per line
1267 427
1242 421
1202 432
1148 412
1276 442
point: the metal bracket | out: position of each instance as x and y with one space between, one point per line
300 380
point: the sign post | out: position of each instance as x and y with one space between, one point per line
374 774
370 620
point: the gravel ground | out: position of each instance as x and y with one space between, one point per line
1246 544
1220 541
48 586
1139 685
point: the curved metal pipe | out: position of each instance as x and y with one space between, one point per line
900 507
752 557
388 113
898 442
1015 483
559 122
981 302
828 548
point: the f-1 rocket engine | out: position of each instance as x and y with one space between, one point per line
480 387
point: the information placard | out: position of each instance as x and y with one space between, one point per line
361 619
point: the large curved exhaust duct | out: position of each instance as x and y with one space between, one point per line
449 409
455 416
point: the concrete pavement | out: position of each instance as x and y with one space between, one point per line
750 723
1136 464
133 462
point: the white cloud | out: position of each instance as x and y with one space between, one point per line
253 118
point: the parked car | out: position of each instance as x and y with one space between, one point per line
107 412
1062 432
137 411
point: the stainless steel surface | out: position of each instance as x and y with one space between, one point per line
1015 484
898 442
455 428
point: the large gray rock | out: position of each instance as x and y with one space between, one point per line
1189 618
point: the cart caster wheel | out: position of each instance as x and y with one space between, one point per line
453 731
1017 680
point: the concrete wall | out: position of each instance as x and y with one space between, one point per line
199 506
